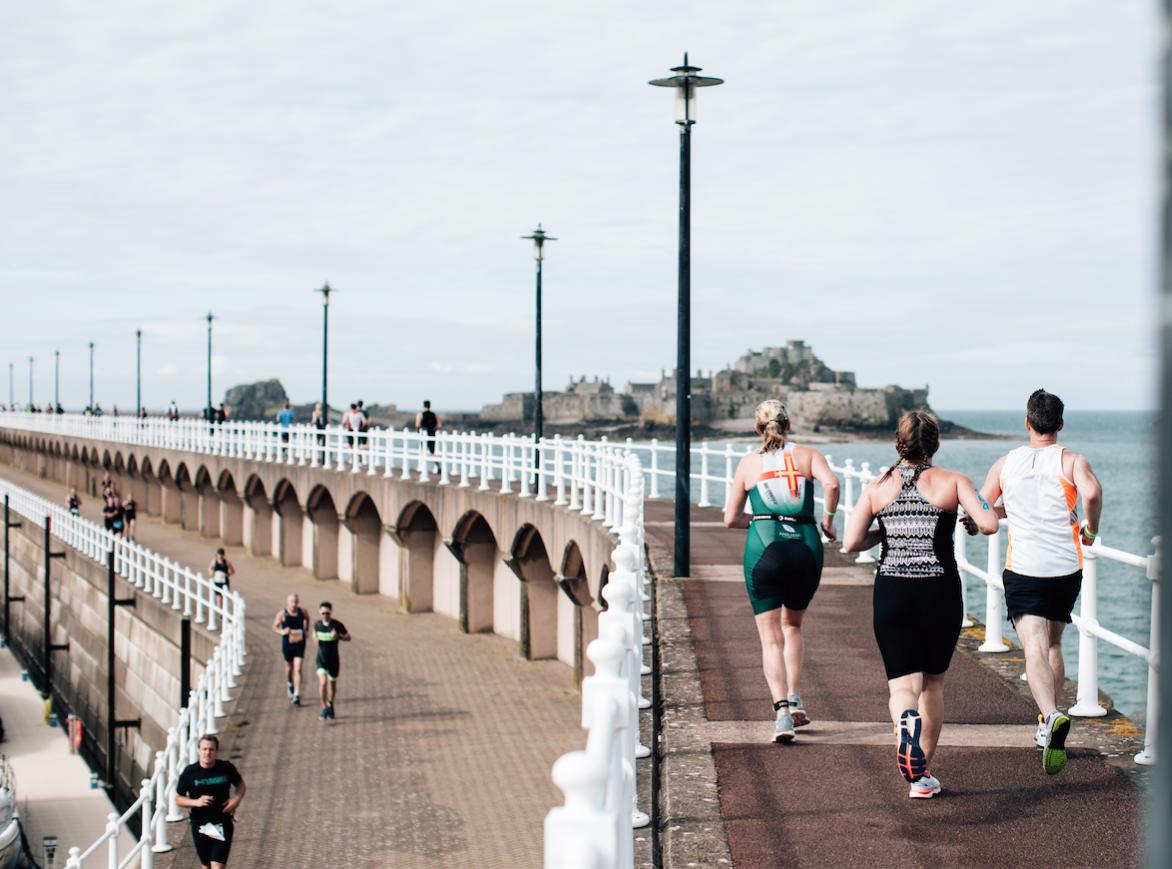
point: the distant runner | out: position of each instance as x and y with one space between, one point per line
205 787
222 572
1039 486
917 600
130 517
285 421
74 503
328 633
783 552
292 623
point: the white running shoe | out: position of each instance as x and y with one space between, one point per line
797 711
783 729
924 788
1040 733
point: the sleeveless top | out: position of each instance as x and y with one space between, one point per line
296 623
917 535
220 572
782 489
1040 504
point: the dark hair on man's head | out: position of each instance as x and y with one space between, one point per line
220 551
325 604
427 404
1044 412
214 740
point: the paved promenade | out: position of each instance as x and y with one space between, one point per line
441 752
834 796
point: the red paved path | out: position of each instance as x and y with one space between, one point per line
825 802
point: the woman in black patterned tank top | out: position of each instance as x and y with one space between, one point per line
918 607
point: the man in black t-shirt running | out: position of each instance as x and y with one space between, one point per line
205 787
328 632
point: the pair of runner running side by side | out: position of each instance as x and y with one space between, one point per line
918 604
292 625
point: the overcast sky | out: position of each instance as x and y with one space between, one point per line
963 195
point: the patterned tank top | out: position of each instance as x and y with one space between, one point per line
917 535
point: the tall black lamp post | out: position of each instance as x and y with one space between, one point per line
56 379
210 415
539 238
137 373
11 395
31 404
91 376
685 81
325 291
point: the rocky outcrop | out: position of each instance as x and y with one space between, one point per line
259 400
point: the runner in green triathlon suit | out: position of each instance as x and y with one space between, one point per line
783 551
328 632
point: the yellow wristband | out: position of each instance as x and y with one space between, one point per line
1088 533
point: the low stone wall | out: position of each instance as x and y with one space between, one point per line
146 651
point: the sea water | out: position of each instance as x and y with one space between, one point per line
1121 447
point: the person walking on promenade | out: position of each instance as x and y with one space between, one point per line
783 552
74 503
109 511
130 517
329 632
426 421
173 411
292 624
1039 485
205 788
222 572
918 604
285 421
320 423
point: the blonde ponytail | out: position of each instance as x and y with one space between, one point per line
772 424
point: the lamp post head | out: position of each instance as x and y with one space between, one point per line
686 81
325 291
539 238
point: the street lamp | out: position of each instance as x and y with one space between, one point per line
209 318
137 373
685 81
31 405
56 379
91 376
11 396
325 334
539 238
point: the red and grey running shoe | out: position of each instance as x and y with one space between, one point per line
925 787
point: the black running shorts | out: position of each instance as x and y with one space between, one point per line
209 850
787 574
293 650
917 623
1050 597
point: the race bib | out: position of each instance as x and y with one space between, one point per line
296 635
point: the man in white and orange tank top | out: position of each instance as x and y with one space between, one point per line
1039 486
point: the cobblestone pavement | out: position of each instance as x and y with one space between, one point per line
834 796
441 752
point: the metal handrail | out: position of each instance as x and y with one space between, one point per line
189 592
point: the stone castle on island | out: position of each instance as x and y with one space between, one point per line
816 396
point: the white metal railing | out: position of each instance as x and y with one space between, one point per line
1090 630
576 473
189 593
593 829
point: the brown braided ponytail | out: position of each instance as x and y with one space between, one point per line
917 437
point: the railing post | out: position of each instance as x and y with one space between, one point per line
112 842
654 468
994 640
575 474
1147 757
1087 705
146 855
160 844
704 502
541 457
959 552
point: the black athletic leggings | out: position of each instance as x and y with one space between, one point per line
917 623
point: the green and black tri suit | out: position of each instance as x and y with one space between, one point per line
328 660
783 555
